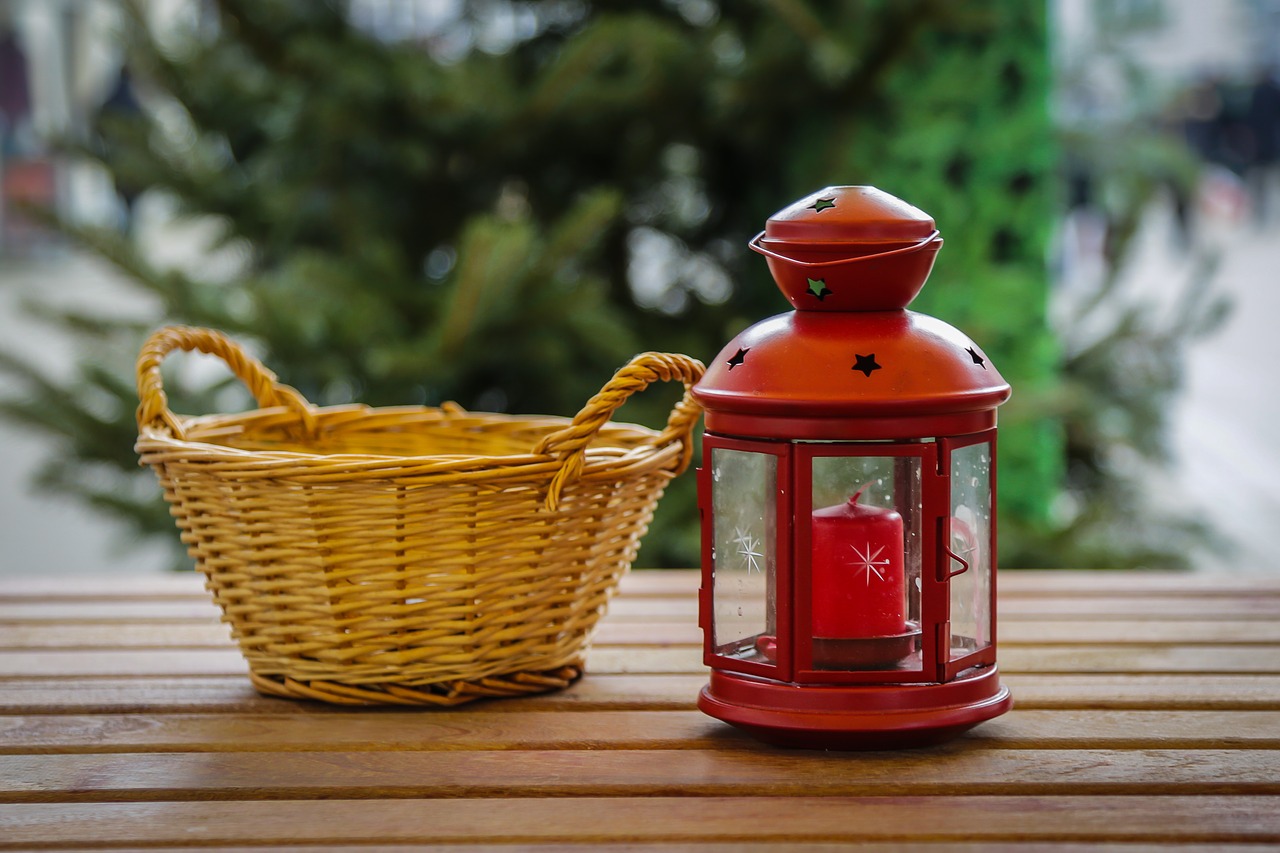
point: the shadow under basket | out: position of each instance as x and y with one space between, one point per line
413 555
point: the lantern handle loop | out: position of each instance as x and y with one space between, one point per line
757 245
964 564
570 444
153 408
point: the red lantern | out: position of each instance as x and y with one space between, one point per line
847 495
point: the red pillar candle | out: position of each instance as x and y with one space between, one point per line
858 588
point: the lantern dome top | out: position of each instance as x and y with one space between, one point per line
856 375
850 362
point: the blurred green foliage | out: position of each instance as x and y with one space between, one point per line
501 221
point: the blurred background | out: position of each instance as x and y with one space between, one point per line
497 202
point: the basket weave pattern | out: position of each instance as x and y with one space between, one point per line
409 555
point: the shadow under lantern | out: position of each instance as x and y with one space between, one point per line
847 495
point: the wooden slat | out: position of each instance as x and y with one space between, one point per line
438 730
1023 819
1183 632
1089 728
603 660
1140 692
177 585
959 770
33 637
676 632
679 582
99 586
1139 659
639 583
117 662
435 729
1041 632
128 610
1053 582
1151 606
233 694
1038 583
737 847
684 609
128 694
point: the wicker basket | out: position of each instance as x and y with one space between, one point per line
409 555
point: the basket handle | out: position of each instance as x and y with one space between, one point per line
153 410
570 443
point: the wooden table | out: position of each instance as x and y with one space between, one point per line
1147 711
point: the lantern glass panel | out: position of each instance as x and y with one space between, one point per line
865 562
970 540
744 488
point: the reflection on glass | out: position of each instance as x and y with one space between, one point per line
743 505
865 562
970 545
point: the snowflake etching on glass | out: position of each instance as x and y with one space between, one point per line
748 549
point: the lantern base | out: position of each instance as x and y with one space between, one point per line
863 717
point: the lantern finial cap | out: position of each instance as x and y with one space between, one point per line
850 248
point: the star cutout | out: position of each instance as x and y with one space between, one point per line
977 359
866 363
818 287
823 204
739 357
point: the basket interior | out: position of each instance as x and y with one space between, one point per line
399 432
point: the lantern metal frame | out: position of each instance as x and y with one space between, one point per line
792 575
790 701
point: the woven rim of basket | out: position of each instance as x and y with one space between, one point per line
283 405
629 447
